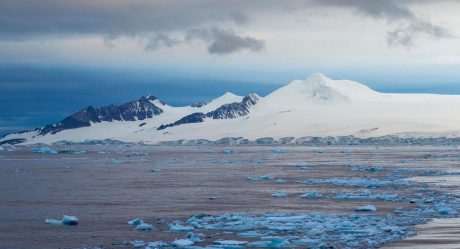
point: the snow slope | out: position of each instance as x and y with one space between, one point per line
317 106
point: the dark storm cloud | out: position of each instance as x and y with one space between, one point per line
20 19
217 40
406 34
373 8
410 25
221 41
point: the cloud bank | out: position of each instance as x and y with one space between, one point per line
154 21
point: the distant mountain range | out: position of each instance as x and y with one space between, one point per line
317 106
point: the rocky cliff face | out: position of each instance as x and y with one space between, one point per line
130 111
227 111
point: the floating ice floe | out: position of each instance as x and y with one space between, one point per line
230 242
155 170
278 151
140 225
228 151
135 222
366 208
181 243
279 180
143 227
279 195
195 237
44 150
66 220
263 178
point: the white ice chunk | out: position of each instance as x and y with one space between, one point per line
279 195
66 220
230 242
366 208
182 243
135 222
143 227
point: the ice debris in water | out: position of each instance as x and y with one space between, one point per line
271 242
368 195
228 151
313 194
1 148
357 182
138 243
70 151
230 242
367 168
177 226
195 237
260 178
278 151
140 225
279 195
156 245
66 220
366 208
44 150
313 229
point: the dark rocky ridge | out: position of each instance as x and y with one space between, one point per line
227 111
130 111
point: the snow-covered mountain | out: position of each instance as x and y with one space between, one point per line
317 106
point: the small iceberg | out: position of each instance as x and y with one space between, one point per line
140 225
279 195
366 208
66 220
182 243
143 227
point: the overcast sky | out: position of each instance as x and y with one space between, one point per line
391 45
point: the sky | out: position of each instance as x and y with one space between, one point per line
57 57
